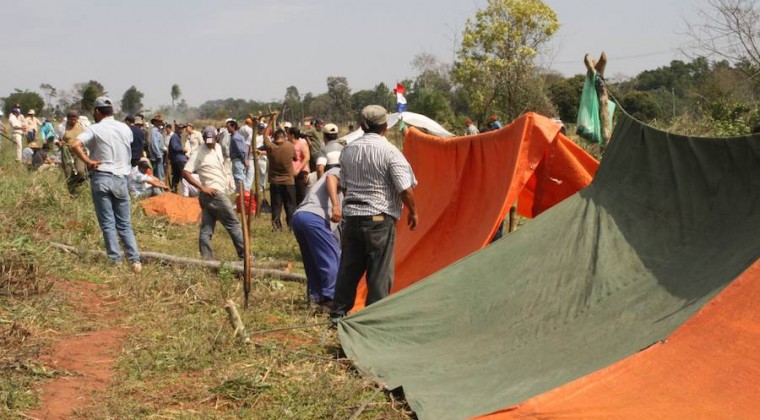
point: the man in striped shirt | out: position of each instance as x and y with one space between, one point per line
376 180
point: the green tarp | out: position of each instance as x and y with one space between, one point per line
667 223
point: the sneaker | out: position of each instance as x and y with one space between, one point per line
137 267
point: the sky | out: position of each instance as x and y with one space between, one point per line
254 50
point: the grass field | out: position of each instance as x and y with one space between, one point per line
179 358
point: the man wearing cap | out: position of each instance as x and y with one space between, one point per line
314 139
138 137
142 185
109 142
177 155
32 125
18 126
157 149
329 154
207 161
376 180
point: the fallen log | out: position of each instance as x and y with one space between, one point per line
215 265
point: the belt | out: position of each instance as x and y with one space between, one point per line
373 218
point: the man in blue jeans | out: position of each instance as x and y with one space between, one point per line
109 142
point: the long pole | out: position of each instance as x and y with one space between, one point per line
255 192
246 246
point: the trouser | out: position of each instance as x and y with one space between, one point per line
367 246
282 195
158 168
240 174
110 196
18 138
301 184
263 162
177 168
213 208
320 253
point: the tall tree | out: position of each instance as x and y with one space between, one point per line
176 93
131 101
496 58
50 92
340 99
88 92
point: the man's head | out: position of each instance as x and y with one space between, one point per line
30 113
374 119
279 135
468 122
16 111
331 132
179 128
143 165
103 108
129 119
139 120
209 136
231 125
157 120
168 128
71 118
249 122
318 123
190 128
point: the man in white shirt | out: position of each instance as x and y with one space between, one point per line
109 142
17 124
207 161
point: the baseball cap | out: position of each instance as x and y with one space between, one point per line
330 128
102 102
374 115
209 132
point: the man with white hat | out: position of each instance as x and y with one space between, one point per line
32 125
329 154
109 142
376 179
207 161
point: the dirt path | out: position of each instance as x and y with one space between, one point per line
89 356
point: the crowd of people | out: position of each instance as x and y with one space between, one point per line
340 201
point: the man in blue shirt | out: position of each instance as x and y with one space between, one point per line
157 149
109 161
238 156
177 155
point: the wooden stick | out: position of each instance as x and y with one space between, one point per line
255 193
237 323
246 247
214 265
512 219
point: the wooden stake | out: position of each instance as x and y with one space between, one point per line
246 246
512 219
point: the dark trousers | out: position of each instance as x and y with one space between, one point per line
213 208
367 246
282 195
177 168
301 187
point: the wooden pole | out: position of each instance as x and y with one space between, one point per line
255 192
184 261
246 247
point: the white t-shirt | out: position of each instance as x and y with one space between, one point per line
209 165
109 142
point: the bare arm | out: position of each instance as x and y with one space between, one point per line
78 148
320 171
306 157
407 196
194 182
155 182
332 190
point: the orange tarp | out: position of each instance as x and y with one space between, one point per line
467 185
180 210
708 369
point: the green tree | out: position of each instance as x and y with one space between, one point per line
176 93
26 100
88 92
339 95
131 101
50 92
380 95
566 96
495 62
